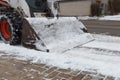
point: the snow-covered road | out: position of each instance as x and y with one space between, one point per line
101 55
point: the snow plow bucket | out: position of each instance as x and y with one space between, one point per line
29 38
58 34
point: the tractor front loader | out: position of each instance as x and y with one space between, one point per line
38 24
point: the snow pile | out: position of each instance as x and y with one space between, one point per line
114 17
87 18
60 32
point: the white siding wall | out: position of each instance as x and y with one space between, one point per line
75 8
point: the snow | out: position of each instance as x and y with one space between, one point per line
101 54
60 32
103 45
87 18
81 58
112 17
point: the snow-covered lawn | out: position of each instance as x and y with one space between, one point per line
101 55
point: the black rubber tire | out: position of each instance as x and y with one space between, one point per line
15 24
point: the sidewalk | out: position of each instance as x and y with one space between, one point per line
12 69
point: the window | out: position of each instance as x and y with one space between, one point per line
37 5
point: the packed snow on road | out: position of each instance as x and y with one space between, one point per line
101 54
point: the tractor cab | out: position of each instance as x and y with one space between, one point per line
39 7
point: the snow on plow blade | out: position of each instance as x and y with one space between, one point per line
30 38
58 34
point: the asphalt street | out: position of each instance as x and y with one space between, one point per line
104 27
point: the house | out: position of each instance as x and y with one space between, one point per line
89 7
82 7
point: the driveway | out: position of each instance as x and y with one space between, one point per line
12 69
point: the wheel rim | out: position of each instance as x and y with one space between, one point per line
5 29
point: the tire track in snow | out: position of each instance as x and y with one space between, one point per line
103 51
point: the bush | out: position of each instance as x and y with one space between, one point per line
94 9
116 6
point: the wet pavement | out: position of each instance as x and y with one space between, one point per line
104 27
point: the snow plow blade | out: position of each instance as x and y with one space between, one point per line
29 37
54 34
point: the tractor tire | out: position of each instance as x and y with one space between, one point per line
11 28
